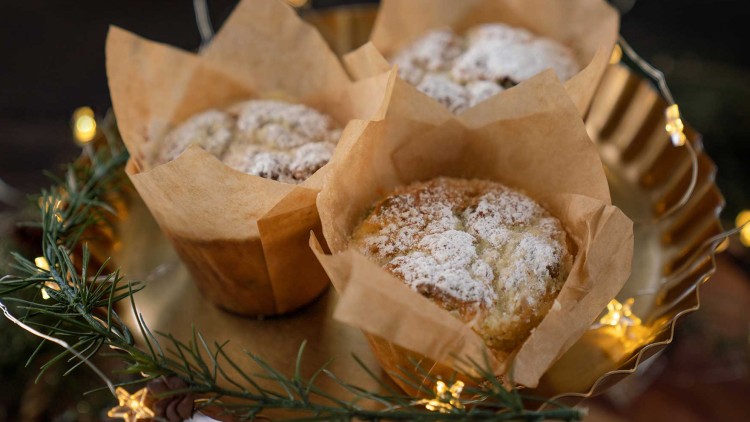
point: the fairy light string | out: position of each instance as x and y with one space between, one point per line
655 74
62 344
447 398
131 407
203 21
674 125
619 314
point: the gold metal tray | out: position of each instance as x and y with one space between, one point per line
673 255
647 176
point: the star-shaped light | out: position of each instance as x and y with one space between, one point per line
675 127
619 315
446 398
132 406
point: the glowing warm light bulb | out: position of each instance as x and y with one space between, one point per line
743 219
84 125
675 127
619 315
131 407
616 55
446 398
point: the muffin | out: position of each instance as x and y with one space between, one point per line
233 188
267 138
480 237
488 254
462 71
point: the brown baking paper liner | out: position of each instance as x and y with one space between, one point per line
533 139
589 27
243 237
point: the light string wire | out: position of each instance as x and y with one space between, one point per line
712 244
691 186
203 21
61 343
11 197
657 76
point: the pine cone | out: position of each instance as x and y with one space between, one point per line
174 408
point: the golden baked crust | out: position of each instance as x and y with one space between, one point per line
488 254
267 138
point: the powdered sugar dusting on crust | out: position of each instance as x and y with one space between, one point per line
267 138
489 32
308 158
278 124
434 52
442 88
499 61
447 66
485 251
211 130
446 261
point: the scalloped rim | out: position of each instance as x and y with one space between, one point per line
695 287
663 344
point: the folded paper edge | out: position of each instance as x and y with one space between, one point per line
527 371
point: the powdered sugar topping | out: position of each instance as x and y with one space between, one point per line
475 242
447 66
267 138
211 130
282 125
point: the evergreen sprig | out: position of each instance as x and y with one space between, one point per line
81 309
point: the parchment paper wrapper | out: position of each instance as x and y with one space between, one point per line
588 27
533 139
243 237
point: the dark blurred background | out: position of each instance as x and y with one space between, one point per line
52 61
